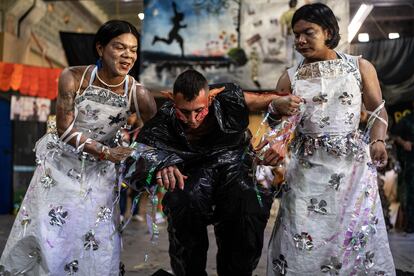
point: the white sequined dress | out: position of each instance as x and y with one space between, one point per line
330 220
67 223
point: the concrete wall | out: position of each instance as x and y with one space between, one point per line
35 39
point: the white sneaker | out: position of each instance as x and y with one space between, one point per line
138 218
159 217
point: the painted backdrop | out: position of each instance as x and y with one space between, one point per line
227 40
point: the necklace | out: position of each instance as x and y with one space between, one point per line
110 85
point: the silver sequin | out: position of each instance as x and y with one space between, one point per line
104 214
323 98
90 113
303 241
280 265
345 98
47 180
335 180
318 208
351 144
324 121
358 241
74 174
57 216
349 118
25 217
332 267
72 267
90 242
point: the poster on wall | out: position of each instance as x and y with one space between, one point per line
241 41
29 108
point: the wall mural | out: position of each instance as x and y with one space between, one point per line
227 40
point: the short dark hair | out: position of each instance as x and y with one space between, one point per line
293 3
321 15
112 29
189 83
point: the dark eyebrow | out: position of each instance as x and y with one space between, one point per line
304 31
124 45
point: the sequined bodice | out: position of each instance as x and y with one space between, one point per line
332 91
101 113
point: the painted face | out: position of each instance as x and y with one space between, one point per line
310 40
120 53
192 113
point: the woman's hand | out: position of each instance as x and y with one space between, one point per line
286 105
379 154
118 154
272 155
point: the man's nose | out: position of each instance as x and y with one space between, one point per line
192 117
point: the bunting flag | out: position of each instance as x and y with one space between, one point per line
29 80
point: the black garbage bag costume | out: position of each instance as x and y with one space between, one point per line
220 189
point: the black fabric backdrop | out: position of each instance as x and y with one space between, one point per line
79 51
394 61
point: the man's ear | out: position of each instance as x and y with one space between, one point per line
168 95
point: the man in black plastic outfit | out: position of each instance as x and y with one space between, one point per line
201 152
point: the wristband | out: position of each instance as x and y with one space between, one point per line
104 154
377 140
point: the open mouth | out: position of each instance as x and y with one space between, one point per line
125 65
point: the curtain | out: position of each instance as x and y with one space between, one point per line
393 60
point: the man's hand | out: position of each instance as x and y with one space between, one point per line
170 177
286 105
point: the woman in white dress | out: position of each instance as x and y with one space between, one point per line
68 220
330 220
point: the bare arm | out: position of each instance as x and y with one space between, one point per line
372 98
65 107
69 82
146 103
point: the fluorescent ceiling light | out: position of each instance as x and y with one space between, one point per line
358 19
141 16
393 35
363 37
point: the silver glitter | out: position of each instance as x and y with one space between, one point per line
328 69
303 241
358 241
25 217
57 216
47 181
72 267
104 214
90 241
337 145
280 265
38 162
